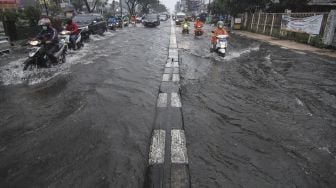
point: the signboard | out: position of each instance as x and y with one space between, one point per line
237 20
310 25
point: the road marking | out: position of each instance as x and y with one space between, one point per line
176 71
168 70
165 78
162 100
176 64
175 100
176 77
178 147
169 64
157 148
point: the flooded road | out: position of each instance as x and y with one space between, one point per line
262 117
86 123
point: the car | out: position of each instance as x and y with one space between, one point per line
112 23
138 19
90 24
180 18
4 40
151 20
163 17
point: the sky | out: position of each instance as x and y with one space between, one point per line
170 4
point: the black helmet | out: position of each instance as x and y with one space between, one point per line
69 21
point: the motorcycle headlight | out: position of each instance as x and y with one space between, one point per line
63 32
34 43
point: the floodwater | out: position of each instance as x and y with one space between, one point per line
85 123
262 116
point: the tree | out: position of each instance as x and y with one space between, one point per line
89 9
131 5
33 14
160 7
78 4
294 5
145 5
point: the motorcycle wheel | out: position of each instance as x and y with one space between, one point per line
63 57
28 64
222 54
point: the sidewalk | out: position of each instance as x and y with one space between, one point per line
288 44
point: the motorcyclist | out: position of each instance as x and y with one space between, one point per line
198 23
49 37
185 22
133 20
73 28
218 31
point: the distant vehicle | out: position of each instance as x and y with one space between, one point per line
163 17
179 18
4 40
112 23
151 20
90 24
139 19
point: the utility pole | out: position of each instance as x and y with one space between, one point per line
46 7
113 8
121 13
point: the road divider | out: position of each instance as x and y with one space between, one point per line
157 148
162 100
175 100
168 158
178 147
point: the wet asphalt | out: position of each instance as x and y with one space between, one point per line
261 117
86 123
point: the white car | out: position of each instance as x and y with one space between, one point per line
163 17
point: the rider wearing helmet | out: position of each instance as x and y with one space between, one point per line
198 23
49 37
73 28
218 31
185 21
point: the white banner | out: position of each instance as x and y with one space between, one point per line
310 25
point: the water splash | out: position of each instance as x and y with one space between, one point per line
236 54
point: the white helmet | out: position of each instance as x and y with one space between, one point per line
44 21
220 24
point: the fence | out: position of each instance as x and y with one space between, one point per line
270 24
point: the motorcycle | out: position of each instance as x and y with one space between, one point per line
185 29
65 35
198 31
38 58
221 45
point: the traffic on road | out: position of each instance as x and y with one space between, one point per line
164 101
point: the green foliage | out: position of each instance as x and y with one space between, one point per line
33 14
8 16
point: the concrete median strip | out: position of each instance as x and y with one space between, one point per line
166 77
178 147
162 100
176 78
168 138
157 148
175 100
